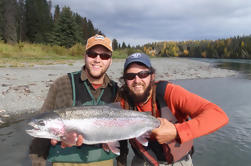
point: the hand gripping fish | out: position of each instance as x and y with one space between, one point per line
97 124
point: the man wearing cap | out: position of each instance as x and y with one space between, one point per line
183 115
89 86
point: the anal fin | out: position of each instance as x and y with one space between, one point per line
143 139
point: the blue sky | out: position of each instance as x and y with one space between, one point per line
143 21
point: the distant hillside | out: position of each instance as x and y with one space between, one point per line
236 47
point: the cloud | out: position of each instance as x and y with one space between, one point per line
139 21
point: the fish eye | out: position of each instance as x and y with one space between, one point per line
41 123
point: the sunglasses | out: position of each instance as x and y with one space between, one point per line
142 74
103 56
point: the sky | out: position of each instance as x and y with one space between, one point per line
137 22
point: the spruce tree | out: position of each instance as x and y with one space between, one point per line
65 29
90 28
123 45
10 22
79 23
1 19
85 30
56 13
21 20
114 44
38 20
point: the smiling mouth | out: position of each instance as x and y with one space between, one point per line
96 67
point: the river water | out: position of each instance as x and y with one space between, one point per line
230 146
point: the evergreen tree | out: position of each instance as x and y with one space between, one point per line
56 13
21 20
38 20
85 30
80 23
65 29
114 44
90 29
123 45
10 23
1 19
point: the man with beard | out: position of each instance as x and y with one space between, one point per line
89 86
183 115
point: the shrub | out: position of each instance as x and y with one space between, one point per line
77 50
59 50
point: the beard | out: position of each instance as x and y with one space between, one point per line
93 76
140 98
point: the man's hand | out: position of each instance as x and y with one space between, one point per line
166 131
69 140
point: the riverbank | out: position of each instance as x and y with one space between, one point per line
23 90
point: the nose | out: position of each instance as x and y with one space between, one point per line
137 79
97 59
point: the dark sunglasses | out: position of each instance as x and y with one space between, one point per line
142 74
103 56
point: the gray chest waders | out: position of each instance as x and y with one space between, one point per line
84 153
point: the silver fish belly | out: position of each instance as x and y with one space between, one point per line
97 124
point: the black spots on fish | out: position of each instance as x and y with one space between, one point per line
47 115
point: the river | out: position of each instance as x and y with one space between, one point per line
230 146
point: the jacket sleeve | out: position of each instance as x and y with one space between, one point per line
59 95
49 102
206 117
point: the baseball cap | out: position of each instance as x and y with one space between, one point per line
99 40
138 57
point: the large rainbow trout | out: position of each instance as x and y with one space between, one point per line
97 124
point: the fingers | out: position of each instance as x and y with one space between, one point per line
105 147
166 132
54 142
64 145
162 123
69 140
80 140
72 140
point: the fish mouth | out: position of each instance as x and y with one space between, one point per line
31 129
32 126
34 131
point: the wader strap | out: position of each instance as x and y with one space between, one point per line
73 90
99 98
160 95
146 155
114 89
174 150
93 99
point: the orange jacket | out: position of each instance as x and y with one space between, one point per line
206 117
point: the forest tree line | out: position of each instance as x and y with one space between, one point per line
32 21
234 48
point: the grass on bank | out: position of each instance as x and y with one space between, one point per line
26 54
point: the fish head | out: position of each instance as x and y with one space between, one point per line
46 125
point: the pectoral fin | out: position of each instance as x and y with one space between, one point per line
114 147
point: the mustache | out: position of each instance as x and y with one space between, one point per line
136 84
